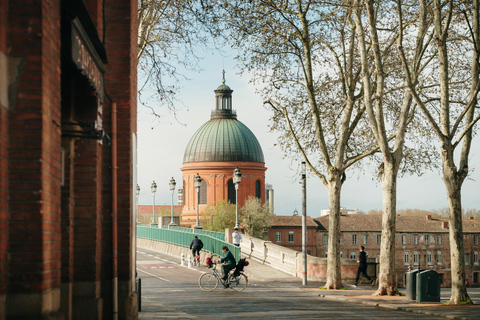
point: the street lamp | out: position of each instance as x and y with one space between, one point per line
172 190
304 222
237 178
154 189
197 183
138 193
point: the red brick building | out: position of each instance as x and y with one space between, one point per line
419 243
287 231
218 147
67 124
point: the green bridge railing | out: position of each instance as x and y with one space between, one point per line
180 237
213 234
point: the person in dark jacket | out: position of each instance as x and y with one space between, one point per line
196 245
229 262
362 265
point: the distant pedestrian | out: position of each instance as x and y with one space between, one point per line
236 237
196 245
362 266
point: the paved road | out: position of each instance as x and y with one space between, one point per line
170 291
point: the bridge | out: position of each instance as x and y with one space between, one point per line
171 291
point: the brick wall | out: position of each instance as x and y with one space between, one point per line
34 152
297 238
120 85
3 159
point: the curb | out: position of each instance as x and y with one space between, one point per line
393 307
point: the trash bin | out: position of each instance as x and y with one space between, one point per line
412 284
428 286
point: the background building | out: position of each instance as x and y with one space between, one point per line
67 99
215 150
287 231
420 242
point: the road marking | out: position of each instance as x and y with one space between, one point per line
159 267
176 263
160 278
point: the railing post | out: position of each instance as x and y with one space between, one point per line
182 259
189 261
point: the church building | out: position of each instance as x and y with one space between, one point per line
218 147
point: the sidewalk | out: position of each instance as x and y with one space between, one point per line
364 295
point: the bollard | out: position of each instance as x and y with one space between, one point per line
139 291
182 260
189 261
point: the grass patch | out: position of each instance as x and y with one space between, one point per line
401 294
461 303
325 288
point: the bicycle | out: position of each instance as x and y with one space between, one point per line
237 281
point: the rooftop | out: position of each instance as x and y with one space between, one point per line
363 222
291 221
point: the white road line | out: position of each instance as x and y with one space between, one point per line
160 278
176 263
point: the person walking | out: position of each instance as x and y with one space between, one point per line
196 245
236 237
362 266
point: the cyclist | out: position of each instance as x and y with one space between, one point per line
196 245
229 262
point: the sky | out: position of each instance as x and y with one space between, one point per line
162 143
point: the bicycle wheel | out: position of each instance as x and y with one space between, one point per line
239 283
208 282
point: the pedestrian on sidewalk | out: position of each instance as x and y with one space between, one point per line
196 245
362 266
236 237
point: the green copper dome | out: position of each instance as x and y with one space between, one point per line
223 138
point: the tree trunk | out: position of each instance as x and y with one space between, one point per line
334 276
387 277
457 252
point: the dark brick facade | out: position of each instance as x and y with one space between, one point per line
56 243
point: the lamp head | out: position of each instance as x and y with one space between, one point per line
237 176
153 187
198 181
172 185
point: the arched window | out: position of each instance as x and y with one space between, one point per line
231 192
257 189
203 192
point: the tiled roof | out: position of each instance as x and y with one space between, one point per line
363 222
291 221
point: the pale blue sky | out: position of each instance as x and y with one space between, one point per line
161 145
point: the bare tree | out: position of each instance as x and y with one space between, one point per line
304 56
450 107
170 36
378 61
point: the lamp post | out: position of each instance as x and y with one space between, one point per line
172 190
304 223
154 189
237 178
197 183
138 193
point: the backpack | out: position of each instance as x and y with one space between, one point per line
242 263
